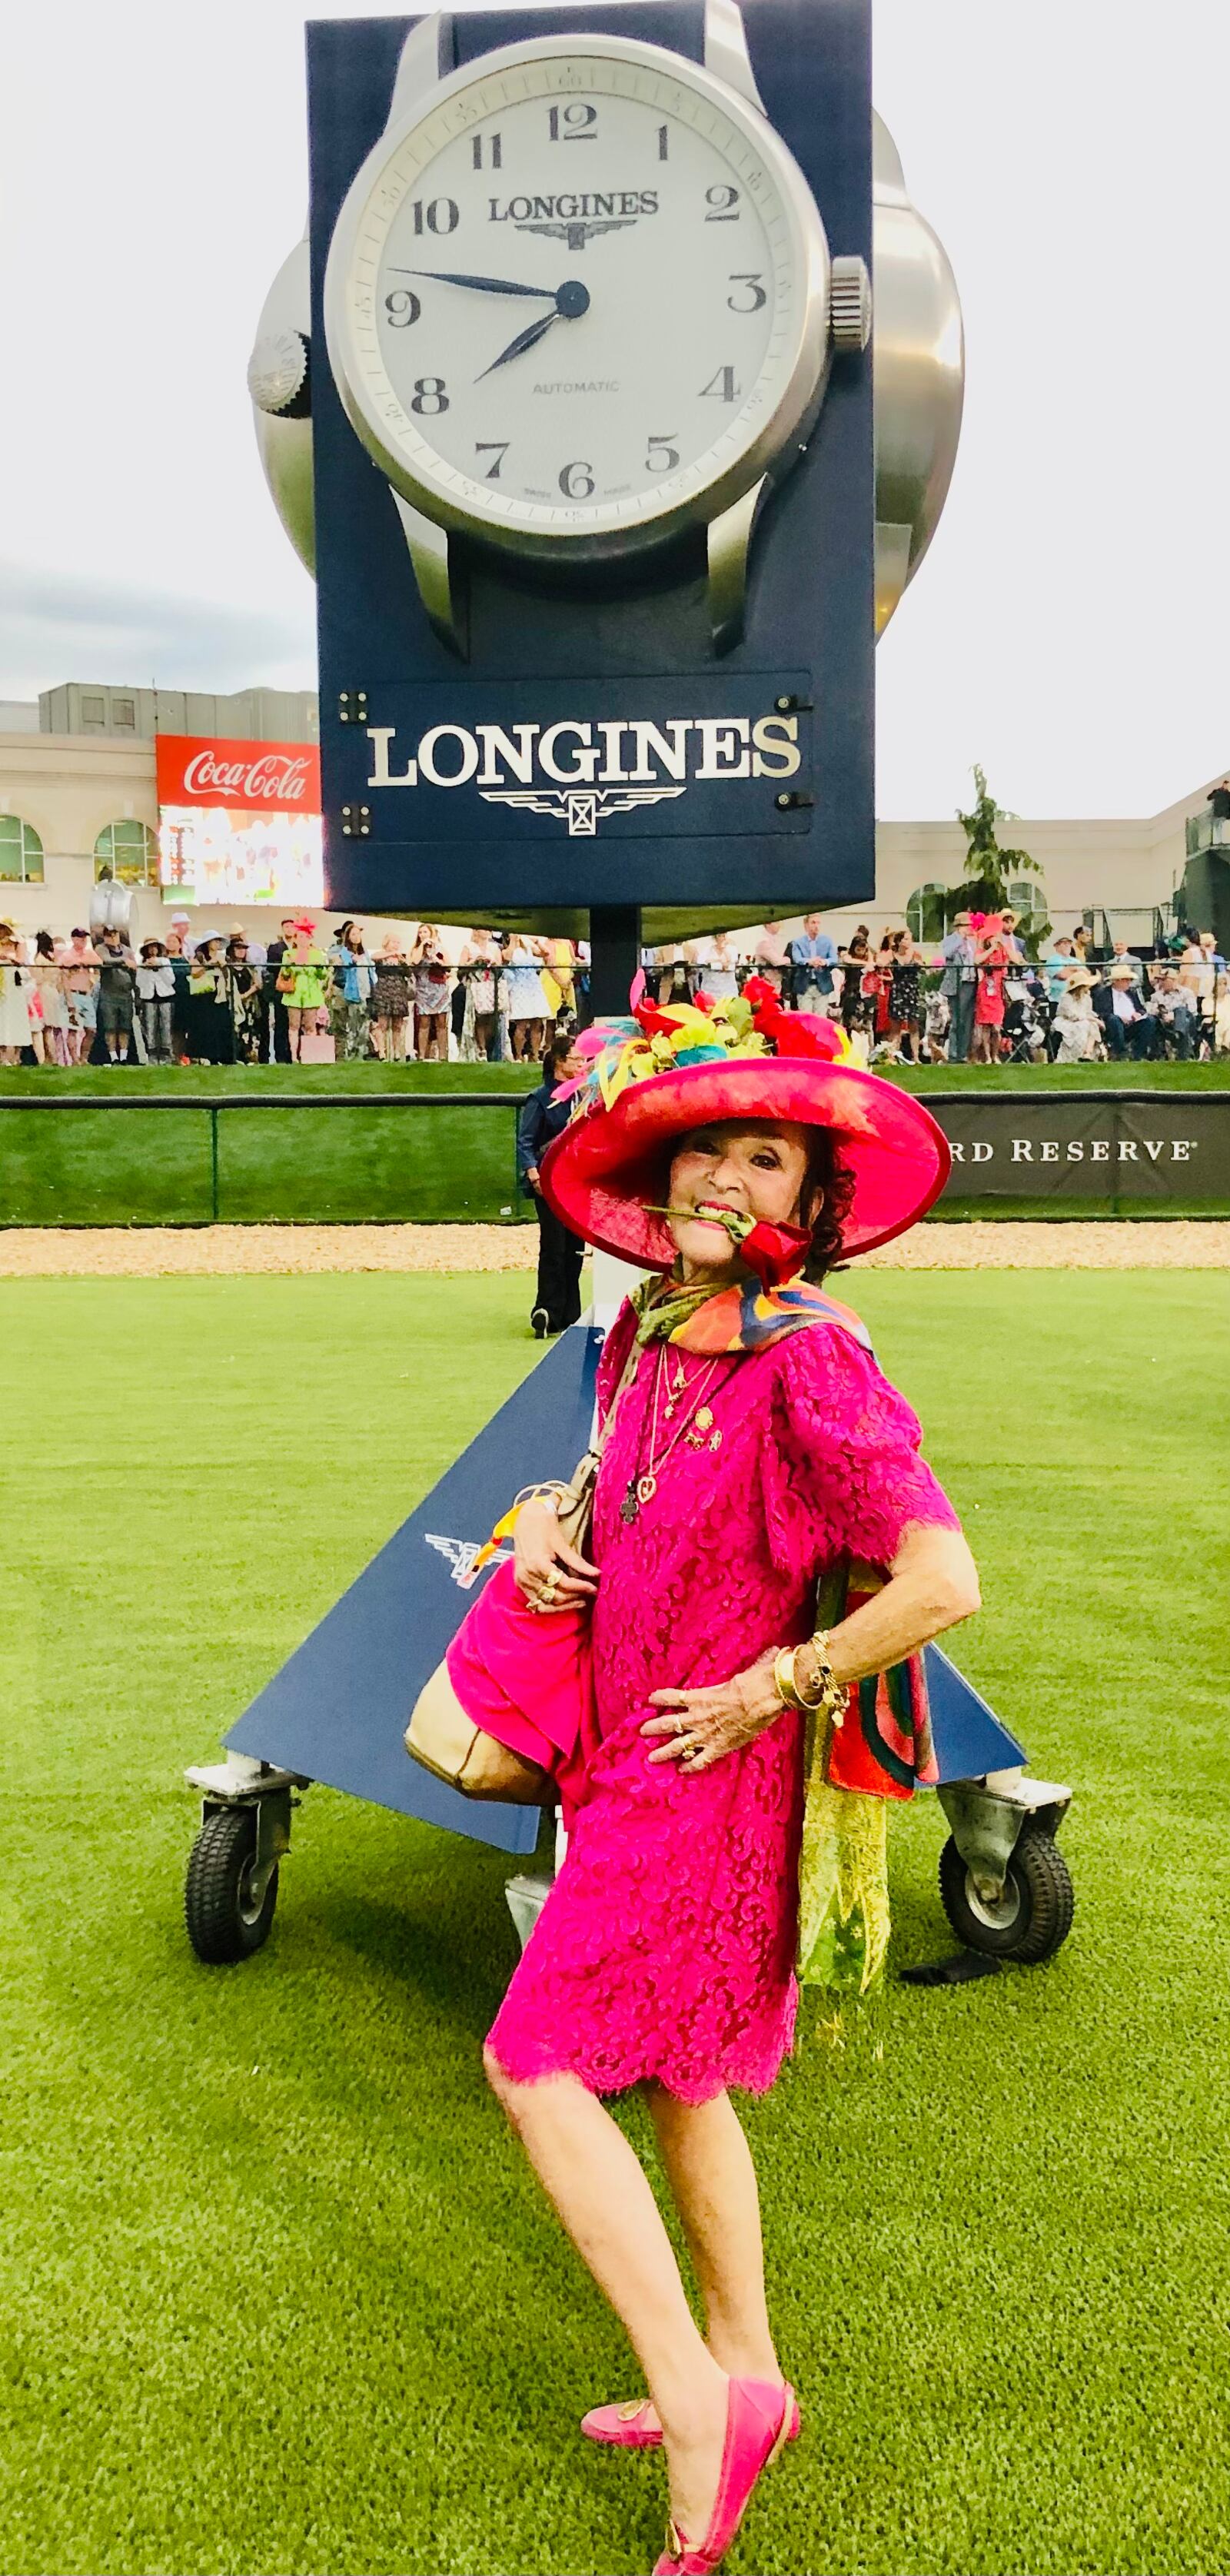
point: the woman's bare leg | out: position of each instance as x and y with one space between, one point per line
602 2196
713 2179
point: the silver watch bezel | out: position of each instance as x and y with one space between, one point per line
801 392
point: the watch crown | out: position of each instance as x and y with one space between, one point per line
850 303
278 373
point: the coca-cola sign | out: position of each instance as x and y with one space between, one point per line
248 777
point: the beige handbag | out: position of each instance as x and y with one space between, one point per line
440 1735
449 1744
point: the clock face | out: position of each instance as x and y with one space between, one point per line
578 295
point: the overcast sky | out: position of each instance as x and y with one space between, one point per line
1069 627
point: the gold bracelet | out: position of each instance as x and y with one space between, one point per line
832 1695
784 1683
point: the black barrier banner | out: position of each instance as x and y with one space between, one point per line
1146 1148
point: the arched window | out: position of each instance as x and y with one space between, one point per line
1028 902
927 911
130 851
21 852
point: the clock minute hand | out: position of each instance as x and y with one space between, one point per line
483 285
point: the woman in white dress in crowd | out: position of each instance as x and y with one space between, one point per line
16 995
1080 1037
526 998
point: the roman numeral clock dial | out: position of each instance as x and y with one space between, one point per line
578 299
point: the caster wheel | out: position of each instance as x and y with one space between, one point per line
1033 1915
225 1921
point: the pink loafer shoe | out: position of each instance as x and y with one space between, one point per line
623 2428
758 2418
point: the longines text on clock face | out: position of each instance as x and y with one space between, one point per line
557 225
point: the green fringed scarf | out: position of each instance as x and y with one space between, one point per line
843 1862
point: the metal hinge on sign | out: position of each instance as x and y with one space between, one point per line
352 706
788 706
792 800
356 822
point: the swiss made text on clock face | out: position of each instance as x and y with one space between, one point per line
574 295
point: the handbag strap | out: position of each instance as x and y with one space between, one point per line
593 1455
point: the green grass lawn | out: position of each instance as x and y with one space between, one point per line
277 2294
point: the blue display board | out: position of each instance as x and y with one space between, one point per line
445 832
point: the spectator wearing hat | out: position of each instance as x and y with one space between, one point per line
79 968
1127 1029
1076 1023
116 994
1173 1015
156 1000
959 986
211 1034
244 983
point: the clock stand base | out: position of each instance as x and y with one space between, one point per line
441 582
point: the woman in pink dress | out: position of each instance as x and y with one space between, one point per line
755 1446
993 955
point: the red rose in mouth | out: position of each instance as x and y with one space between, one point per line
775 1252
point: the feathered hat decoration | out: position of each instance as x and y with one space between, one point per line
664 1037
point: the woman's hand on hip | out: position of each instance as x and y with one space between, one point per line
550 1573
696 1727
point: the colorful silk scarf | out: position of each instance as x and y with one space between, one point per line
746 1317
882 1747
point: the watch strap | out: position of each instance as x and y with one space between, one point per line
678 25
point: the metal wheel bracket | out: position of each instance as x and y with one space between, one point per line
987 1818
525 1897
240 1781
272 1839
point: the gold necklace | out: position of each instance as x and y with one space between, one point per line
643 1487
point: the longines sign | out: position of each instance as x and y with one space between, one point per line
1146 1148
741 764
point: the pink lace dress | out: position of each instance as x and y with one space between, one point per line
666 1946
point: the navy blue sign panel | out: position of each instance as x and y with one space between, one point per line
644 766
338 1710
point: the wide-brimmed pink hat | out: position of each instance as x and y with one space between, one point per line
672 1069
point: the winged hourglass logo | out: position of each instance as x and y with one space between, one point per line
581 808
577 234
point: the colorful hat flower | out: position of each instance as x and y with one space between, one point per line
669 1068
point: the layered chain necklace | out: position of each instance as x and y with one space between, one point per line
697 1423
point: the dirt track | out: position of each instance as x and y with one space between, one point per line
216 1251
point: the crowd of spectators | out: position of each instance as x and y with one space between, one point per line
316 996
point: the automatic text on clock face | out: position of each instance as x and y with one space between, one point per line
575 295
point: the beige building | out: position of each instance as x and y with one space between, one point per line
77 794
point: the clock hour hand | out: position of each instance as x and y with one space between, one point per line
484 285
571 301
524 340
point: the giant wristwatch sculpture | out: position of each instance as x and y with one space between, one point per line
579 305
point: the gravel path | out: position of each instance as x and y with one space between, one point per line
216 1251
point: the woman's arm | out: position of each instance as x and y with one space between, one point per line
933 1583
